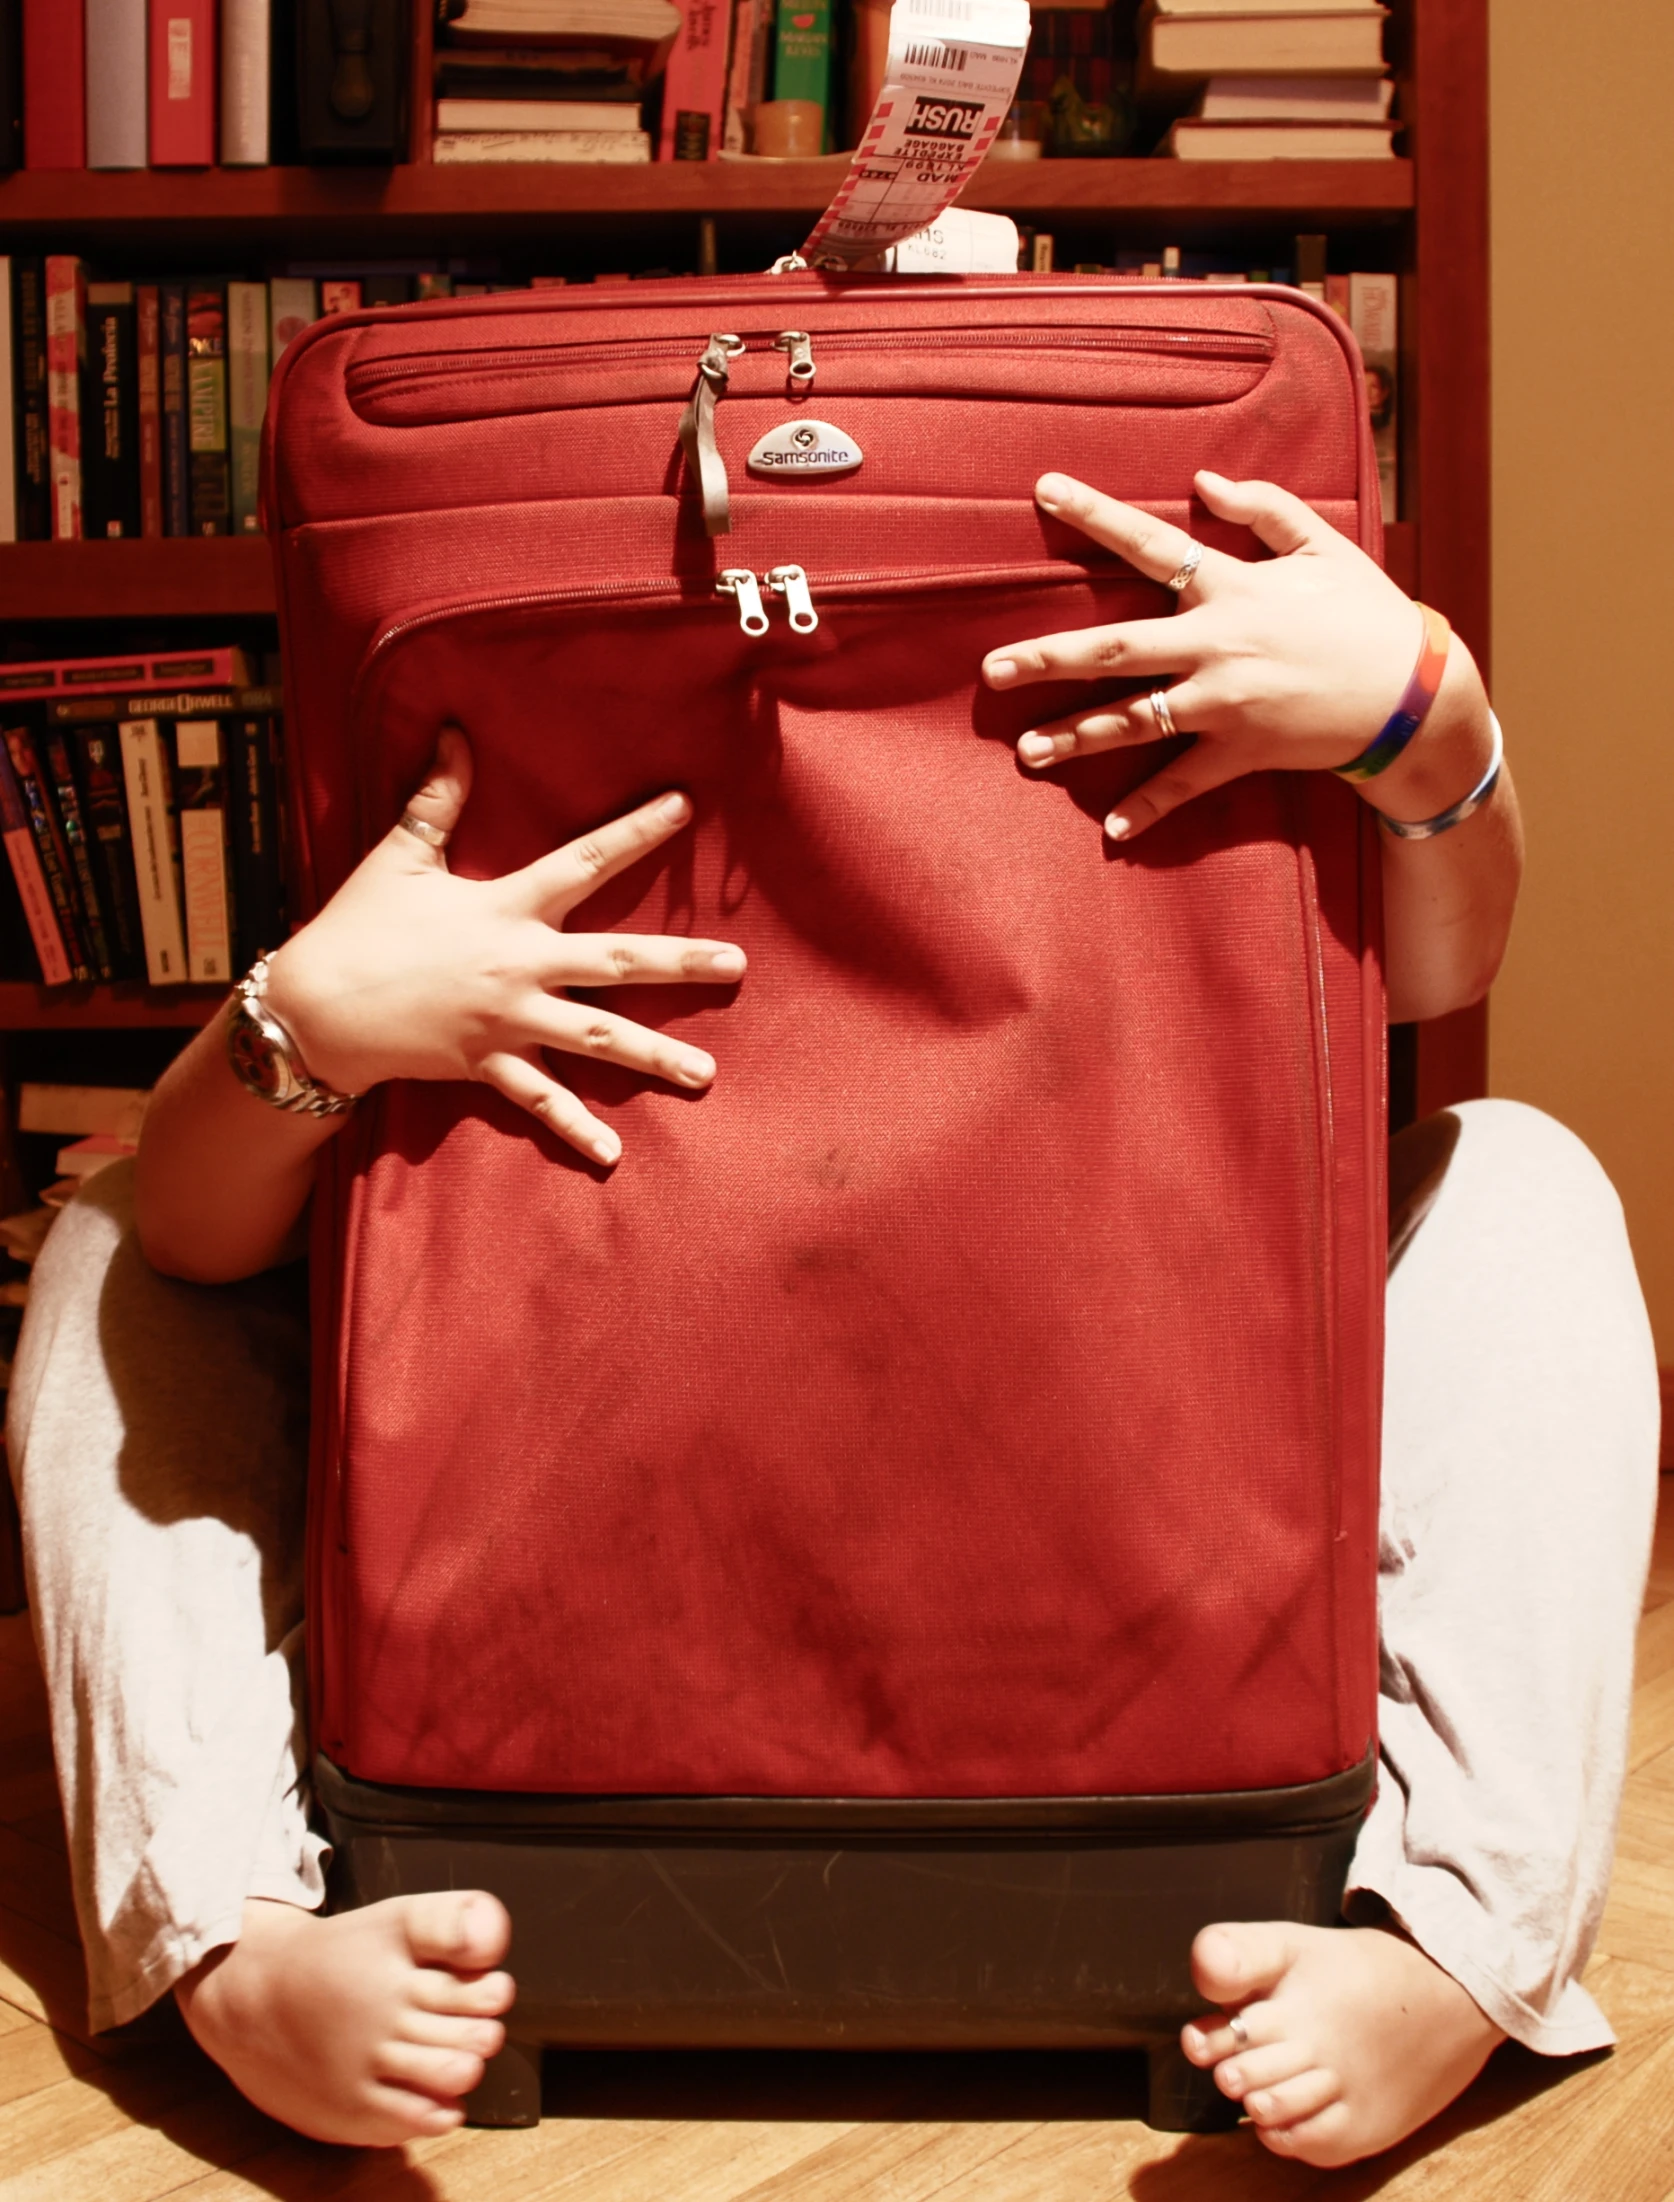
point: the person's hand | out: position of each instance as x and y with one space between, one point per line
409 972
1289 663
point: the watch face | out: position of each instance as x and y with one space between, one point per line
254 1056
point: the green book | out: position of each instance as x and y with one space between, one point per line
802 54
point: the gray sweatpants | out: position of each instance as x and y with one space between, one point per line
158 1438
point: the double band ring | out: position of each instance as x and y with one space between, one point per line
1188 568
434 836
1163 716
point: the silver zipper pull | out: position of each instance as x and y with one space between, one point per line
799 372
791 583
740 582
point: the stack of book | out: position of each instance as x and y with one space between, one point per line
1300 80
140 809
548 80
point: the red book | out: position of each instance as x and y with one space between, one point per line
54 88
695 88
182 83
25 861
66 348
148 349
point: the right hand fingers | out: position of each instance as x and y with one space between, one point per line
553 884
640 959
553 1105
579 1028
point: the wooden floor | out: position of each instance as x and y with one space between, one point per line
142 2114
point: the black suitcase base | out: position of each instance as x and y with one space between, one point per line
789 1923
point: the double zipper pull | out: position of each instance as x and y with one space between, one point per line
799 371
740 582
791 583
697 431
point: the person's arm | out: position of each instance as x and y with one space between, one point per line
409 972
1293 663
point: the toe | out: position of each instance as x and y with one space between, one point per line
1296 2099
468 1930
1230 1964
443 2074
1325 2142
451 1995
1213 2037
1263 2068
478 2037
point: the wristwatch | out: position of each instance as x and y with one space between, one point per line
264 1057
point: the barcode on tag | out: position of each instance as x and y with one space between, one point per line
938 57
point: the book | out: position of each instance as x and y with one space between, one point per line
87 1157
293 303
115 32
22 855
652 25
246 44
177 452
66 797
97 760
254 814
539 72
18 733
200 802
1374 316
84 1112
543 145
54 78
535 114
748 70
110 460
220 666
148 377
182 56
247 371
66 350
206 408
365 119
32 440
8 409
695 84
1346 43
1296 99
342 296
145 782
802 52
1192 140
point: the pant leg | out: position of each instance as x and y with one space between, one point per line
158 1435
1520 1477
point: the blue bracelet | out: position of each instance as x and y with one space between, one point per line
1426 829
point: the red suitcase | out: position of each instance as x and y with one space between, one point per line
954 1436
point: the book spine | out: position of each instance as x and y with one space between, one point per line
201 809
9 530
293 304
71 820
110 413
695 85
1373 316
258 885
246 42
115 63
148 377
340 297
50 846
206 408
246 399
105 815
182 83
66 347
802 53
225 666
177 457
54 75
33 440
25 861
746 70
154 869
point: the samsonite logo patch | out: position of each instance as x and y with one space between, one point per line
805 448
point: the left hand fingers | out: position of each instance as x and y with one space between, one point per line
1135 649
1113 726
1153 547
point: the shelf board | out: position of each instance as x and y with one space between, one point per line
28 1008
417 198
221 577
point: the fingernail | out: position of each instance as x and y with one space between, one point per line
1049 491
1230 2078
696 1070
1117 826
1037 748
727 963
1196 2040
999 672
1209 474
607 1147
676 808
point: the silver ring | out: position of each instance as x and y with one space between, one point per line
424 830
1239 2032
1188 567
1164 717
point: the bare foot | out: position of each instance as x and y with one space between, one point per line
368 2027
1354 2037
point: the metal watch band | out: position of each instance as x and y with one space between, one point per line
264 1057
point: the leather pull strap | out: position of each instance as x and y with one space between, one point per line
697 432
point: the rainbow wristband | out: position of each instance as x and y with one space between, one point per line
1414 707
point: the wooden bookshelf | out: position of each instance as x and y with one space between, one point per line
27 1008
